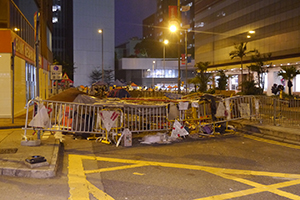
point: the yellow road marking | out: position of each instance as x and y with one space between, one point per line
80 188
140 174
272 141
78 182
113 168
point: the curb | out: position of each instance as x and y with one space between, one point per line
35 172
281 134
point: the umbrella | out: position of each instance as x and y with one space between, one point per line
99 83
133 84
118 83
175 86
169 87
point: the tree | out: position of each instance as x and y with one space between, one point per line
240 52
222 81
260 60
96 75
202 78
149 48
288 73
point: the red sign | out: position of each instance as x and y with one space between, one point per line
172 12
183 59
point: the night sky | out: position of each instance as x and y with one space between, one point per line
129 15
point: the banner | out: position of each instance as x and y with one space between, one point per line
172 12
183 59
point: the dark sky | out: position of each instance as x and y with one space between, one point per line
129 15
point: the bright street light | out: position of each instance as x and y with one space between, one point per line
153 74
101 32
173 28
164 56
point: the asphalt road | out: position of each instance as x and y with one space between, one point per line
234 167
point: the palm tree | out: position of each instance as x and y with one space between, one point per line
202 77
288 73
222 81
260 60
240 52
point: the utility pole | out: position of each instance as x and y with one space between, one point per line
179 74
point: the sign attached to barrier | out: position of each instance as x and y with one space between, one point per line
56 72
109 118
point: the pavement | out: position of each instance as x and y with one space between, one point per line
13 152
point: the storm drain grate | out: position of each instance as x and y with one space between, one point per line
9 150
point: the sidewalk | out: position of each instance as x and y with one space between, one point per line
13 154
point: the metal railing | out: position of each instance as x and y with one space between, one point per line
106 119
278 112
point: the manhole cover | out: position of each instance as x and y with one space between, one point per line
9 150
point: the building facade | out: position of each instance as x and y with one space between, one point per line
162 23
269 26
20 79
92 50
62 20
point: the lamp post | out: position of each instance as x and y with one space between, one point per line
153 74
164 56
101 32
175 25
185 60
179 74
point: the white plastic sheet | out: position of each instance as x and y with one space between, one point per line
41 119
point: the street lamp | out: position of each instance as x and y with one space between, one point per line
101 32
185 31
164 56
174 28
153 74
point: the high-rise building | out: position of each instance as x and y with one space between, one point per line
162 23
62 20
20 79
148 27
269 26
93 50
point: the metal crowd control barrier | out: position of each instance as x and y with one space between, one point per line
145 118
214 112
278 112
106 120
89 119
63 117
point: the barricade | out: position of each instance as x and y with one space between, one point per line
145 118
278 112
211 113
107 119
60 116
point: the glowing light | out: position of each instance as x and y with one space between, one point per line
173 28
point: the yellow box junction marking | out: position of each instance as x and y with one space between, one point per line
80 188
272 142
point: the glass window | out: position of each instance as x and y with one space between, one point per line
30 81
